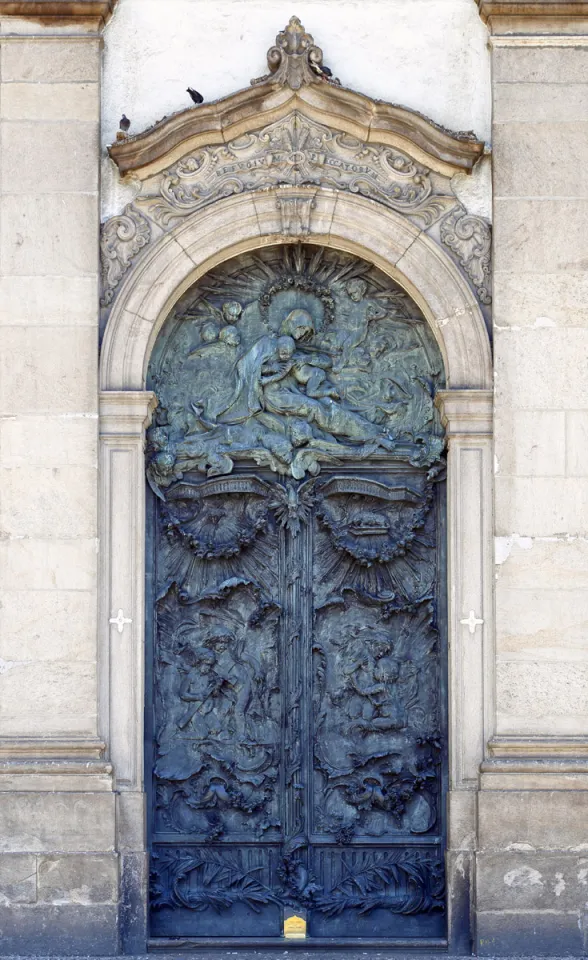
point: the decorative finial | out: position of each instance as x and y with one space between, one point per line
295 59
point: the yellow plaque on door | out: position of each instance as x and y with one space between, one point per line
295 928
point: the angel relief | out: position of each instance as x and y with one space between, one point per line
297 629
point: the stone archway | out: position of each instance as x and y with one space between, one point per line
147 295
148 268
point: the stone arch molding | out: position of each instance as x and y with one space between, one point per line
302 157
341 220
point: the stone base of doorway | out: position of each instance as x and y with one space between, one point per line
51 930
254 949
545 934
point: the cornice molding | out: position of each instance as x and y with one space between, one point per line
93 13
532 8
296 82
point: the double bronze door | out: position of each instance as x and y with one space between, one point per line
296 733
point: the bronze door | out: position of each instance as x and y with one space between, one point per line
296 731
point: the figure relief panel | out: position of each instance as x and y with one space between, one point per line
296 609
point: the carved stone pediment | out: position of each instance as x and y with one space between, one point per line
297 128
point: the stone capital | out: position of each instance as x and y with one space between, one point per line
465 412
125 413
90 14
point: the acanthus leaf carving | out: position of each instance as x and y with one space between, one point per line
470 239
122 239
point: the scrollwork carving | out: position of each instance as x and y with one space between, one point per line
122 239
297 151
470 239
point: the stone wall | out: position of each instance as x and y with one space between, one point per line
533 833
58 868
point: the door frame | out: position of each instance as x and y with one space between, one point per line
152 286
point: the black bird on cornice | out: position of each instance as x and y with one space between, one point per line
324 72
196 97
124 124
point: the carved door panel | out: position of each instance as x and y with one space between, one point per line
295 608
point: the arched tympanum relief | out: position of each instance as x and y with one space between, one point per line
297 611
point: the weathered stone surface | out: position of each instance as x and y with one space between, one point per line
538 102
53 234
534 933
69 930
542 564
71 146
48 370
47 625
18 878
47 564
530 443
547 698
130 822
541 624
49 502
548 299
540 65
51 61
67 691
462 819
556 359
63 440
577 443
54 301
459 907
51 101
79 879
525 163
531 881
541 506
527 236
524 821
133 902
35 822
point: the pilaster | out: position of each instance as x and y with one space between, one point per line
529 889
467 417
124 416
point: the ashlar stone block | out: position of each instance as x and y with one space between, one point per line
523 821
542 623
51 234
18 878
50 101
540 159
78 879
52 301
530 443
48 370
67 162
36 60
48 625
38 564
554 563
55 502
45 822
547 698
67 692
